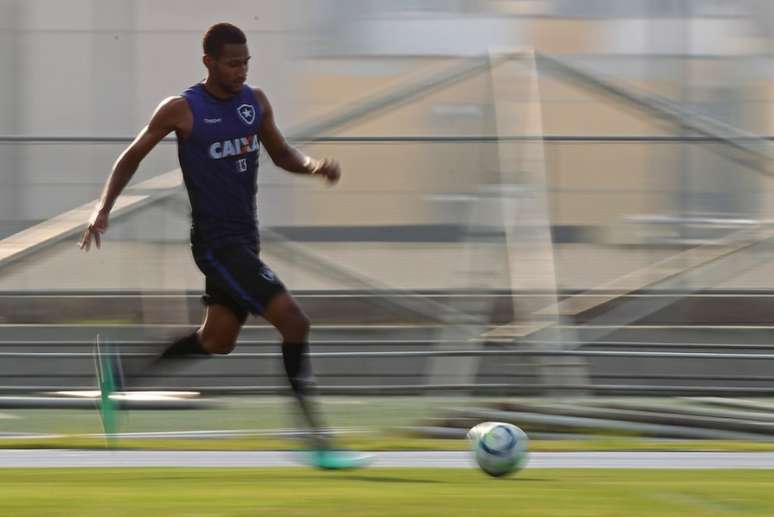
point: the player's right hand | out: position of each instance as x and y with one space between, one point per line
329 169
98 223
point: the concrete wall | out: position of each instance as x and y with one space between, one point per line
99 68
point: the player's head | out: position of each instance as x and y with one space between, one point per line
226 56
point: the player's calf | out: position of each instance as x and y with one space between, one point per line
190 345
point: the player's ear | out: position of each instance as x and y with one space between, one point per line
208 61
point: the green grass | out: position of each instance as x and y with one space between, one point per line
405 492
386 442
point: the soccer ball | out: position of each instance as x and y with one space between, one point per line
498 448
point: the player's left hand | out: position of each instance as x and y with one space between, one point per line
98 223
329 169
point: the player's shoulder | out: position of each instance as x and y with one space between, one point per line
259 93
171 113
174 103
261 98
173 107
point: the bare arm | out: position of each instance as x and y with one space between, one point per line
285 155
168 117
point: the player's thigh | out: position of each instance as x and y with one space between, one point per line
220 329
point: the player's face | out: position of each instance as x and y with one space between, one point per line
230 67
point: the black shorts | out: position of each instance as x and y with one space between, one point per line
236 278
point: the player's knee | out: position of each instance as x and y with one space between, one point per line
220 345
225 348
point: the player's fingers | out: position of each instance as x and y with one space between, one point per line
334 172
85 240
97 240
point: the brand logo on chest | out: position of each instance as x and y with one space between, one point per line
234 147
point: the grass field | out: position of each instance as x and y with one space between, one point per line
404 492
377 442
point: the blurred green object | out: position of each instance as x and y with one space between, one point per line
107 383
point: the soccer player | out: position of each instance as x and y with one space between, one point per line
220 124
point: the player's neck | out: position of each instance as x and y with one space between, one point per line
216 91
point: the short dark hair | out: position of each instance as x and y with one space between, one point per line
222 34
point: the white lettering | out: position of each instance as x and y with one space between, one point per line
215 153
228 149
234 147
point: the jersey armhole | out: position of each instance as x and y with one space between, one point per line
193 120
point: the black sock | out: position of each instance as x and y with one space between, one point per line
298 369
185 346
296 363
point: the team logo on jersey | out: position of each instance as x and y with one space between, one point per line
269 275
246 113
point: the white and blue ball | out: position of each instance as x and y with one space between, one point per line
499 448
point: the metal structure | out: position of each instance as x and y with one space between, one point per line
590 320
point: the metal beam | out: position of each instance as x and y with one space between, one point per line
746 148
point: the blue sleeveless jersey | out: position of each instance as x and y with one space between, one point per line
220 167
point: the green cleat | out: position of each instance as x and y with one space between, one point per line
336 459
108 381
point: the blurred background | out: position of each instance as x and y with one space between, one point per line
552 198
